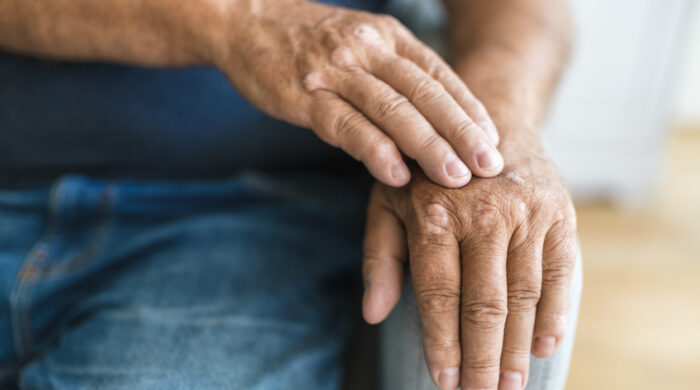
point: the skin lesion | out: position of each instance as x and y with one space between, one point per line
515 178
437 219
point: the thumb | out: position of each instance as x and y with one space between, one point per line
384 257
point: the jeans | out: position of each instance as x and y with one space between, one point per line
242 283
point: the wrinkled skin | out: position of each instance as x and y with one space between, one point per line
491 265
494 257
364 83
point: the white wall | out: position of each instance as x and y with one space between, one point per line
612 113
688 100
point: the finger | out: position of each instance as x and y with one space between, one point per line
340 124
399 119
436 67
559 258
448 118
434 260
524 275
484 304
384 258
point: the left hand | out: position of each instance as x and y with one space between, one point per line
491 264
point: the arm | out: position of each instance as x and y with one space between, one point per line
362 82
511 53
149 32
491 262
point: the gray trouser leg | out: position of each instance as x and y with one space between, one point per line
403 366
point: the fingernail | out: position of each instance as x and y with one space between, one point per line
488 157
490 130
449 378
510 380
456 168
544 345
400 172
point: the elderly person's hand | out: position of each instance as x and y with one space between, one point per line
364 83
491 265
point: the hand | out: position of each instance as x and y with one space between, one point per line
364 83
491 265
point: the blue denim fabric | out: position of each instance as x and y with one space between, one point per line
243 283
118 120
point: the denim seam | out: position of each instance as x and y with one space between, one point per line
20 316
20 313
34 268
70 265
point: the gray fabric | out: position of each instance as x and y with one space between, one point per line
401 353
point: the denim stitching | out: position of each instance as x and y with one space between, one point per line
67 266
20 315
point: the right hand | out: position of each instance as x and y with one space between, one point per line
363 83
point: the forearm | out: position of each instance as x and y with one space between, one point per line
146 32
510 53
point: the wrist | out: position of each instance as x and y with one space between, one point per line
239 21
209 28
493 78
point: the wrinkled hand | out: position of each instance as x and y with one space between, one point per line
364 83
491 265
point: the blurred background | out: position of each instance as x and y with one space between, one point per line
624 130
625 133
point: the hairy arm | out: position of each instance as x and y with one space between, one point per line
361 82
147 32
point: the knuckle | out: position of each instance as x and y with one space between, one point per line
439 299
523 298
562 249
424 89
313 81
482 365
391 105
366 33
343 57
485 314
430 142
556 272
325 127
519 210
465 132
437 219
445 343
434 216
436 70
486 215
346 124
517 351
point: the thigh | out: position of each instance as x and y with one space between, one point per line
403 365
241 284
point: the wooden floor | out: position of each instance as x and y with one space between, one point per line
640 315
